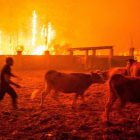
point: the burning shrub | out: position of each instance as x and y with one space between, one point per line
58 49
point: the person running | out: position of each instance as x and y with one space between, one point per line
5 82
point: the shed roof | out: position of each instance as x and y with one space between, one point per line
90 48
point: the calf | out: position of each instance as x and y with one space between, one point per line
69 83
123 88
106 75
133 67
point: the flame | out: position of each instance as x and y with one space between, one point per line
34 29
42 32
124 53
49 32
42 38
39 50
135 52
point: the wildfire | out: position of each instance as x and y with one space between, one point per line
46 34
49 32
42 38
39 50
34 29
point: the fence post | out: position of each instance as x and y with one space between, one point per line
19 52
86 59
110 57
92 59
71 58
71 53
131 51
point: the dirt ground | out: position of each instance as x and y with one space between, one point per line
54 122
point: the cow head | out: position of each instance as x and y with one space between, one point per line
103 74
130 62
96 78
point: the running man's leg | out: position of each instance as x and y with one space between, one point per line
2 91
13 94
2 94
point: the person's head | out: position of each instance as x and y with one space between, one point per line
9 61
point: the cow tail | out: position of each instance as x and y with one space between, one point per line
110 84
110 81
34 93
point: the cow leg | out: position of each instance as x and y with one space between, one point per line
74 101
44 94
108 106
121 105
82 97
56 98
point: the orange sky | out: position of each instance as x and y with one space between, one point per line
80 22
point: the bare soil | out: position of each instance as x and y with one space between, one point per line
55 122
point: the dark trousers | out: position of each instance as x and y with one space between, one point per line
6 88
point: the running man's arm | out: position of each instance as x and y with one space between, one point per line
13 75
7 79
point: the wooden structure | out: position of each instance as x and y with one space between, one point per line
69 62
93 49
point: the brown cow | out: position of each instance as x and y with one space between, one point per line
125 89
106 75
133 67
69 83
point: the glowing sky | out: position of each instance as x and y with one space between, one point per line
81 22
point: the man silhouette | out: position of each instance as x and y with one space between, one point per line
5 82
